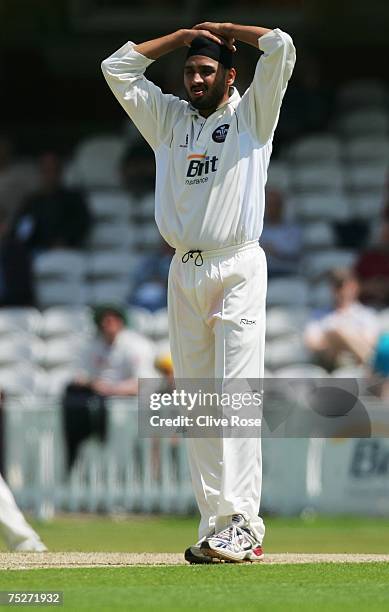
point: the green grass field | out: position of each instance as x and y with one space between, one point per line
224 587
317 587
174 534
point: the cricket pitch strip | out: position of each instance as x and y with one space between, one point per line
23 561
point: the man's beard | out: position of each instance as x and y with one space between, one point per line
211 99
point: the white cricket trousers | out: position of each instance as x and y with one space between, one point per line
12 522
208 305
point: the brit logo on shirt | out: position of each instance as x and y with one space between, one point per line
220 134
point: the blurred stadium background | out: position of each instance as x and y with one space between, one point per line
329 167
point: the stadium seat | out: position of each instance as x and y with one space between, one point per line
110 265
291 291
20 348
60 292
141 320
65 351
160 324
284 321
96 162
148 236
110 205
58 378
372 121
367 149
20 319
23 381
362 93
366 178
111 236
62 321
59 264
284 352
114 291
318 178
323 148
305 370
321 207
144 208
318 235
366 205
59 277
351 371
320 295
278 176
317 264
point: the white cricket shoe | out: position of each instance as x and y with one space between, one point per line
30 545
194 555
236 543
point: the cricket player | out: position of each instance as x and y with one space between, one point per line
212 153
19 535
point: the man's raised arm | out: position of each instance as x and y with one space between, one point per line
261 103
231 32
153 49
153 112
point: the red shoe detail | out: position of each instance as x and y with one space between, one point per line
258 551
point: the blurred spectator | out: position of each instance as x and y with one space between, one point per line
111 367
117 357
351 233
17 179
54 216
151 279
372 269
380 366
16 281
164 365
347 334
280 239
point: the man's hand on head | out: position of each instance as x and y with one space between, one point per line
190 35
221 30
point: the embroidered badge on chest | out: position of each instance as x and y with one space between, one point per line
220 134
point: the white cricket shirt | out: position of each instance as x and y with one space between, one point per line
211 173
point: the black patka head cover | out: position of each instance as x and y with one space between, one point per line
205 46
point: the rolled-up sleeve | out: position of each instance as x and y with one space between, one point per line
153 112
261 103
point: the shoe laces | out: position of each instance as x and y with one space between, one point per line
234 533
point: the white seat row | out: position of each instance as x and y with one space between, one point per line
362 93
298 292
53 292
330 179
25 325
372 120
65 277
335 206
23 348
96 162
282 352
333 178
121 235
281 359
